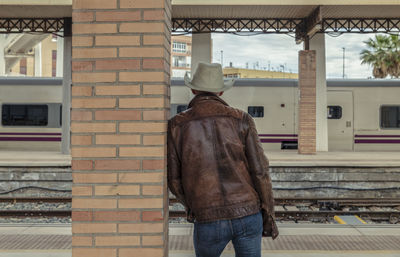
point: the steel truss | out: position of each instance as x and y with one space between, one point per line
42 25
353 25
235 25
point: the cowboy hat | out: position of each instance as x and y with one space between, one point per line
208 77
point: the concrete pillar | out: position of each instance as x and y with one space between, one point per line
317 43
38 60
120 106
201 49
2 59
307 102
60 57
66 96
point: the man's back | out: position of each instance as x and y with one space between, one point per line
209 142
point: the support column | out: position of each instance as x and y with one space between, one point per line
38 60
317 43
201 49
2 59
60 57
307 102
120 106
66 93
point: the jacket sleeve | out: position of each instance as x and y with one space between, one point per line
258 168
174 168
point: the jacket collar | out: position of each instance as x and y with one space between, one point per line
205 97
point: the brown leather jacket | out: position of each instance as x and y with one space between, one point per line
216 165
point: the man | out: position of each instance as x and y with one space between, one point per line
217 169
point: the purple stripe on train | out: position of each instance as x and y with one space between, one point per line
377 141
377 136
277 135
30 134
30 139
277 140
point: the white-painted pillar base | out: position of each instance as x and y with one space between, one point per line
201 49
317 43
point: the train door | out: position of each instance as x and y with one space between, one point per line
340 120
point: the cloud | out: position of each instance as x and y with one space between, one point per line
272 50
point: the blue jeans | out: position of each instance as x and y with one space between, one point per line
211 238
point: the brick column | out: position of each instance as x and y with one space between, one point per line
307 102
120 104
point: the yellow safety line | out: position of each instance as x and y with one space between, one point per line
362 221
339 220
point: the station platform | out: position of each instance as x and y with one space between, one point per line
284 158
297 240
290 158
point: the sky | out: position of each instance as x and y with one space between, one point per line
274 50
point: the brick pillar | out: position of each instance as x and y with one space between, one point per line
307 102
120 104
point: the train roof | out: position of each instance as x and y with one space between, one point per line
294 82
30 81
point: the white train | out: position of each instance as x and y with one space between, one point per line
363 115
30 113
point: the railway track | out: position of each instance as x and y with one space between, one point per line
317 209
296 209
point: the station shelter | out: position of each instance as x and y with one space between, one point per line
117 85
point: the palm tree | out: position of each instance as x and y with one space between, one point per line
383 54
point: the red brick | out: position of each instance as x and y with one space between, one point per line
81 115
141 77
81 164
93 77
98 203
153 164
124 139
155 115
89 228
140 27
153 64
82 66
93 28
81 91
94 4
118 40
152 216
81 215
153 15
118 115
117 240
82 241
93 102
81 190
94 177
142 4
87 152
116 215
140 228
117 64
118 16
82 16
142 252
94 252
118 90
81 140
82 41
117 164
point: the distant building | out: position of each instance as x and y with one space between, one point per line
47 49
181 55
231 72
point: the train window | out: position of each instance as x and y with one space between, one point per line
60 115
181 108
390 117
334 112
256 111
24 115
